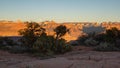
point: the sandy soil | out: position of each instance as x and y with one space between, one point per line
75 59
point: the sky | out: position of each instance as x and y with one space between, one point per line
61 10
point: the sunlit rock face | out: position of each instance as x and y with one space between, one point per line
11 28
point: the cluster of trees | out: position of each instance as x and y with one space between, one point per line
35 39
108 40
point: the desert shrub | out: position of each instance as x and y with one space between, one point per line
6 43
100 37
1 42
91 38
30 34
91 42
60 31
17 49
82 39
105 46
5 48
73 43
112 34
60 44
46 45
95 38
117 43
62 47
9 42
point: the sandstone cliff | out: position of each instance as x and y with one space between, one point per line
10 28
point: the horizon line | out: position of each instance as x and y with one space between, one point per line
20 20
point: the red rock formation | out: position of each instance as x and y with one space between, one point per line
10 28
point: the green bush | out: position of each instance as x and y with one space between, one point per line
62 47
100 37
1 42
82 39
6 43
9 42
17 49
112 34
31 33
91 42
46 45
104 46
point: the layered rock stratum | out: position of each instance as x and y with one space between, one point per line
11 28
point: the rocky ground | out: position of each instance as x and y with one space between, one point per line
83 57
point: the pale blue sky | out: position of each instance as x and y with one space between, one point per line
61 10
